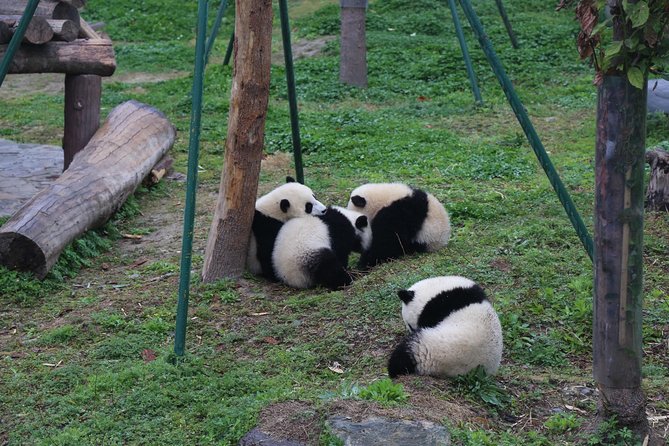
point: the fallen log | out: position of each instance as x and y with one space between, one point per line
657 195
77 57
49 10
122 152
37 32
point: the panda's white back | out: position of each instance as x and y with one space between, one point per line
467 338
426 290
436 229
297 242
377 196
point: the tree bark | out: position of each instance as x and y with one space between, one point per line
65 30
50 10
37 32
76 57
657 196
83 93
225 255
130 142
5 33
353 52
619 165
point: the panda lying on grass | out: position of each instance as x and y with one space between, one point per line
403 220
453 329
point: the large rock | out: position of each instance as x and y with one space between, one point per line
389 432
658 95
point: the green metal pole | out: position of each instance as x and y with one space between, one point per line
465 53
528 128
17 38
292 100
191 184
214 29
228 51
507 23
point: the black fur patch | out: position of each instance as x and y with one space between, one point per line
285 204
447 302
358 201
290 179
308 207
406 295
361 222
402 361
342 234
265 230
327 270
394 228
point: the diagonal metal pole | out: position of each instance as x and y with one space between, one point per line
465 53
228 51
15 42
214 29
528 128
292 100
191 184
507 23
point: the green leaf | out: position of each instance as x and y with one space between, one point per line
635 77
639 14
613 48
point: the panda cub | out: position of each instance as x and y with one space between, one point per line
314 250
273 209
403 220
453 329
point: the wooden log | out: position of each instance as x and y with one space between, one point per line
76 3
49 10
77 57
158 172
65 30
657 195
82 113
122 152
37 32
87 31
227 245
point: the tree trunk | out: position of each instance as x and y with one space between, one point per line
76 57
657 196
82 113
619 191
353 52
130 142
227 245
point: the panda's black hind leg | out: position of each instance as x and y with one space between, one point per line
328 271
402 361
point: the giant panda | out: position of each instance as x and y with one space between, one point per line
453 329
314 250
272 210
403 220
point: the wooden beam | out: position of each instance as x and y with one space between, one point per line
87 31
65 30
37 32
49 10
77 57
76 3
122 152
82 113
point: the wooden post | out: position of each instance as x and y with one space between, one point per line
82 113
225 255
122 152
619 195
353 52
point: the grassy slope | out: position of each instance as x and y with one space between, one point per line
415 123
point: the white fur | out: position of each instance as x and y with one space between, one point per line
270 204
297 241
466 338
436 229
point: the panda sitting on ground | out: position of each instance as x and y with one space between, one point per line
403 220
273 209
314 250
453 329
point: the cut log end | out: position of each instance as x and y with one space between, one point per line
18 252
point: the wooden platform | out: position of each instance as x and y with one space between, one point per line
24 170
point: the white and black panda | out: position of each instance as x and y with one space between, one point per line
273 209
453 329
404 220
314 250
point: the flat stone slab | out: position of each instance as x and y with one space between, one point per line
388 432
25 169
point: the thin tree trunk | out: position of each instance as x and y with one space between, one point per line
619 196
225 255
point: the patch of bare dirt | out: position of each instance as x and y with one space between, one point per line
303 48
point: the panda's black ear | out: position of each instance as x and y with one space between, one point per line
290 179
361 222
285 204
358 201
406 295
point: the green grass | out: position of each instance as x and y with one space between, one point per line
85 356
